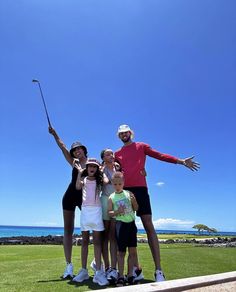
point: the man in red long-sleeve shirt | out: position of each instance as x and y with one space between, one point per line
132 157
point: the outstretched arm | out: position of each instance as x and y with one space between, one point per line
189 163
61 145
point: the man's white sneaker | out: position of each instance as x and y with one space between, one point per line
112 274
94 266
159 276
100 278
138 274
68 273
82 276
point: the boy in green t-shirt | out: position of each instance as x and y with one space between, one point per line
122 205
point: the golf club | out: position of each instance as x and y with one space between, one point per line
36 81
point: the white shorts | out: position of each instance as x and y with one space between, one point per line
91 218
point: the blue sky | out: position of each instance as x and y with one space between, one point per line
165 67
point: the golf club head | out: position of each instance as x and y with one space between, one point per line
35 80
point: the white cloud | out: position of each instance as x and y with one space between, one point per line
160 184
169 224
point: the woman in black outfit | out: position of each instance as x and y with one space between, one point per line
77 158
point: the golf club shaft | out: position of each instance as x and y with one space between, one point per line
45 107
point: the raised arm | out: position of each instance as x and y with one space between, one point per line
61 145
189 163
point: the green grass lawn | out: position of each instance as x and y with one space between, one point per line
38 267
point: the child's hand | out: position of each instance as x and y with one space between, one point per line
75 161
121 210
132 197
77 165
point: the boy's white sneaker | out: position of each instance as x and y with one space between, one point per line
159 276
100 278
112 274
82 276
68 273
138 274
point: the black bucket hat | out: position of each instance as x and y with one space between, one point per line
76 145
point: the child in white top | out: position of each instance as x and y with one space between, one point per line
91 180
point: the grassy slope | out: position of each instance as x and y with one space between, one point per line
37 268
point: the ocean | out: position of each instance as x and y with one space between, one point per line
10 231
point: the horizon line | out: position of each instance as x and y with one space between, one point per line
39 226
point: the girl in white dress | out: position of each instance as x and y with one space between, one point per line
90 180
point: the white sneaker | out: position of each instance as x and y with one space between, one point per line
112 274
138 274
94 266
82 275
159 276
68 273
100 278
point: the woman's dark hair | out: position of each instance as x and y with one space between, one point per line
85 150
